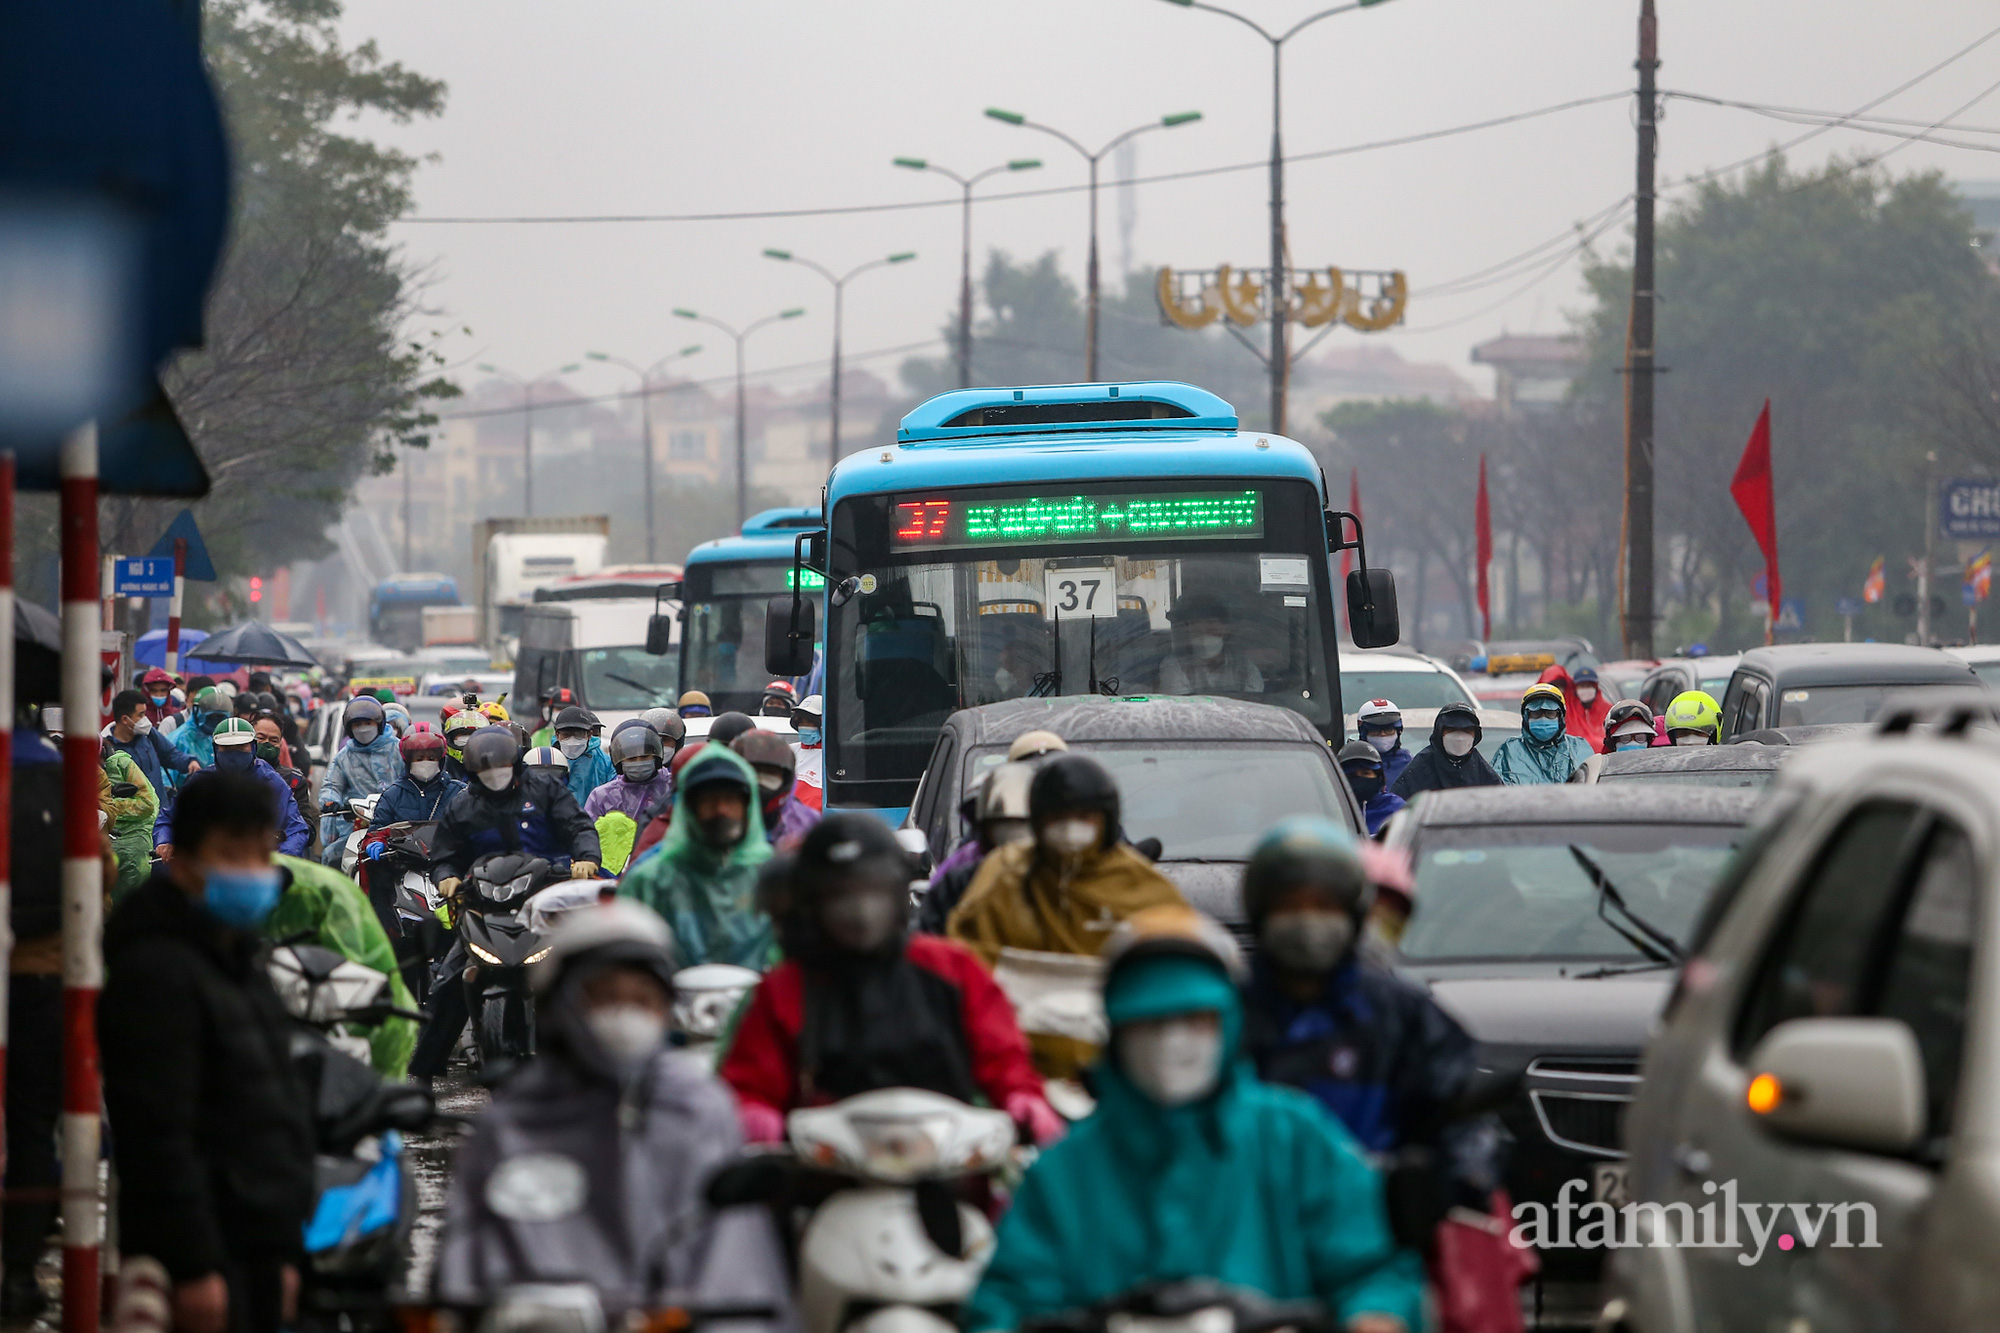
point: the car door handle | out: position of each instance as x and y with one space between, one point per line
1692 1160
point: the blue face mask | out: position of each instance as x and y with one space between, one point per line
1634 743
1545 728
210 721
808 735
242 898
234 758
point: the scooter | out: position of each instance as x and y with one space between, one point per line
501 942
706 998
394 869
890 1248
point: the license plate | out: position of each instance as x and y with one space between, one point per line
1607 1183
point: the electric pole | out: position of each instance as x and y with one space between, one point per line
1639 364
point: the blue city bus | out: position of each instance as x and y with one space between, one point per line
1116 539
724 589
396 607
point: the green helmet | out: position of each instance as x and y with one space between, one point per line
1695 711
235 731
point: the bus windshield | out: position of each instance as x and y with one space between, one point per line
722 637
1239 611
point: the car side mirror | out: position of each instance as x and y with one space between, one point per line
1371 608
788 636
659 634
1840 1082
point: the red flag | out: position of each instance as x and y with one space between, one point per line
1482 527
1751 488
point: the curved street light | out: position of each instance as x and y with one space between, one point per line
742 464
966 183
645 421
527 388
839 282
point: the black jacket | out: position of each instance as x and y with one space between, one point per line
536 815
1434 770
211 1132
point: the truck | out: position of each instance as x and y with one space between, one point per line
396 607
450 626
513 557
597 648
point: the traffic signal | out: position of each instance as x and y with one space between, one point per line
256 589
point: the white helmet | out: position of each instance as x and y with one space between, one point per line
546 756
620 931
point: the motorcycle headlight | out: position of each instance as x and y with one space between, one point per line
482 955
541 953
897 1149
513 888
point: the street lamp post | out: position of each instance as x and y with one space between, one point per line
1280 356
839 282
645 423
527 388
966 183
1090 268
742 456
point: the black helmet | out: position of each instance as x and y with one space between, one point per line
767 749
1074 782
668 724
1359 751
850 890
634 740
573 719
1305 851
726 728
490 748
363 709
1457 717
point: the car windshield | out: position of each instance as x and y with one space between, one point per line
1715 686
629 677
1813 705
1516 893
1207 801
1754 779
1406 689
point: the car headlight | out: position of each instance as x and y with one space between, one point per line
541 953
482 955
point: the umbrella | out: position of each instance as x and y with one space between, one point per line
151 650
253 643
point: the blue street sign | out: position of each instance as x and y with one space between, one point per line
199 568
1969 508
146 576
1791 615
1850 606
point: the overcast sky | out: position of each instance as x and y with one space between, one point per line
680 106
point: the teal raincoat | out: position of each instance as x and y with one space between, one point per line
1254 1186
591 770
1525 761
709 898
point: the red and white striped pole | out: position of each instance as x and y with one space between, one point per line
174 607
6 768
82 886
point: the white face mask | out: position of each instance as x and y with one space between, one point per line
1458 744
1586 694
365 734
142 726
629 1035
1207 646
1174 1061
1068 837
423 770
1309 941
573 749
769 783
1691 738
1383 741
497 779
639 770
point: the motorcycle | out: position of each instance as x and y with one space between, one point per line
500 942
706 998
394 869
890 1248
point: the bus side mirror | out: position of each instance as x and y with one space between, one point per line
659 634
1371 608
788 636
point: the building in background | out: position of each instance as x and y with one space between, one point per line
1531 371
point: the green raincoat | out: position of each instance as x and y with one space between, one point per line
1254 1186
132 819
616 832
710 900
322 900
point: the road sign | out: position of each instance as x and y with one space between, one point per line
1969 507
199 567
1849 606
146 576
1791 615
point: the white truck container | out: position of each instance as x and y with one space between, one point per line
515 556
450 626
596 648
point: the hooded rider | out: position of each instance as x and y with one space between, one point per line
158 687
625 1129
362 767
1452 759
1694 718
1589 703
1380 723
1194 1167
206 709
1629 726
1543 752
786 817
589 767
1362 763
999 817
421 793
235 743
1064 891
703 879
888 1009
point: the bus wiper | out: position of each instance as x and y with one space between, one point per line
1050 682
1656 944
1107 686
627 680
1622 969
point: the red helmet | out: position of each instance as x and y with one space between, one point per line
420 739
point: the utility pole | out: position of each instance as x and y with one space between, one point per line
1281 361
1640 367
1930 537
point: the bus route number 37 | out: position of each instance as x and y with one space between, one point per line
1082 594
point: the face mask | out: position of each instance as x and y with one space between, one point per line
1367 785
770 783
268 752
808 735
365 734
1545 728
1207 646
1691 738
1069 837
143 726
1384 741
860 922
1458 744
640 770
497 779
573 749
1003 680
1586 694
423 770
241 898
1632 740
628 1035
1173 1062
721 831
1308 941
159 700
234 758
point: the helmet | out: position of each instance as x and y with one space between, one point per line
235 731
1695 711
1359 752
1458 716
1548 693
634 740
420 739
556 698
843 848
779 696
813 706
1004 793
463 720
573 718
1630 715
767 750
494 711
1034 744
1378 715
546 756
691 700
1172 929
727 727
1074 782
667 723
1305 851
208 699
490 748
361 710
848 891
398 717
620 931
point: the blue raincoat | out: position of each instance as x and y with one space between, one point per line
589 771
1525 761
1254 1186
197 738
357 770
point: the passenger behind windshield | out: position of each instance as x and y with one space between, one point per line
1206 658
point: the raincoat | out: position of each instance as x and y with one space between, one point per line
131 820
709 898
1586 723
1253 1185
356 770
1018 901
196 738
616 832
1431 769
293 831
589 771
629 798
407 800
336 912
787 826
1525 761
535 815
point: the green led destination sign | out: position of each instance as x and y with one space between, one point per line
811 580
756 579
959 521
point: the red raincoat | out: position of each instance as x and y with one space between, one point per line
1585 722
